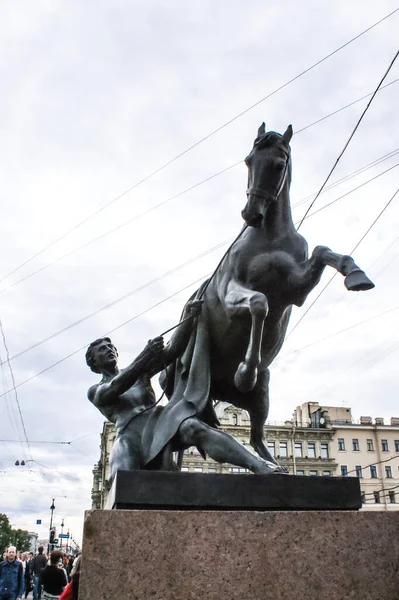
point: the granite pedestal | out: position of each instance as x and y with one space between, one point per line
237 537
239 555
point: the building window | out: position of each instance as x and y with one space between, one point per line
344 470
271 448
198 469
326 473
234 470
283 449
235 419
376 497
341 444
300 472
384 445
313 473
363 497
324 450
388 472
311 450
392 497
396 445
298 449
359 472
373 471
370 446
212 470
355 445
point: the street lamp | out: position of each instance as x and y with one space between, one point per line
52 508
62 532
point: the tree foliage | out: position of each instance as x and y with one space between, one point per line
10 536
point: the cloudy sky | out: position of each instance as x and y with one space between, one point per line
96 97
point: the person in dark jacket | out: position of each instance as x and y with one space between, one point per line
11 576
38 564
28 575
53 578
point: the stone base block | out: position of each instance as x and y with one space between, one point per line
164 490
238 555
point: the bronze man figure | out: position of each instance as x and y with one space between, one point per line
125 397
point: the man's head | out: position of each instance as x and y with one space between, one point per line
11 553
101 355
40 549
30 555
55 557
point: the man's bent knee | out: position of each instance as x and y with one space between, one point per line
190 431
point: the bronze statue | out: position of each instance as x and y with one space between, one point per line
127 399
248 301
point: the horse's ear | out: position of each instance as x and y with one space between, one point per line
261 130
287 135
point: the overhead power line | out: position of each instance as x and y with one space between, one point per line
174 270
192 187
179 194
14 387
327 337
358 171
208 136
58 362
350 137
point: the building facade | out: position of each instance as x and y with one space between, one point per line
317 441
367 449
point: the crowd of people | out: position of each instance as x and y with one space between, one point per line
49 577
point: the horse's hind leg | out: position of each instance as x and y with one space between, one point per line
258 408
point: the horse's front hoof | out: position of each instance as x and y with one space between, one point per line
357 281
245 378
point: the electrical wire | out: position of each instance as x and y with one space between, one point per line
374 464
14 387
362 169
350 137
174 270
176 293
327 337
58 362
140 215
208 136
124 297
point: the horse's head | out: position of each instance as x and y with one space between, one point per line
268 168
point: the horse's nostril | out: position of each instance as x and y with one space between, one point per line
253 220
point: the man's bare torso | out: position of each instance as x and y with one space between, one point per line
119 408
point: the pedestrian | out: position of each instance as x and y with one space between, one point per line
38 564
28 576
71 592
11 576
53 578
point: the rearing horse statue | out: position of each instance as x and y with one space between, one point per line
248 301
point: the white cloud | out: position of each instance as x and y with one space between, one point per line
97 97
